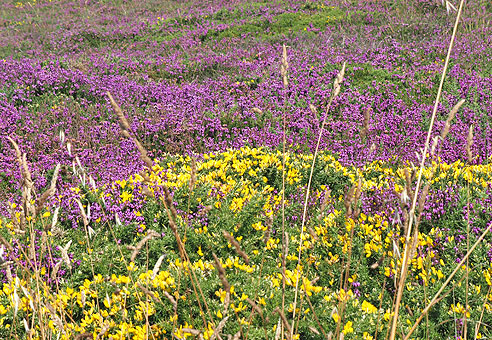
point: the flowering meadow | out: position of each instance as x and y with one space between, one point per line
237 169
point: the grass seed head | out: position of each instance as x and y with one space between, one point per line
121 117
257 111
236 245
222 274
423 197
469 143
150 235
284 66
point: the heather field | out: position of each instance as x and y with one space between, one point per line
245 169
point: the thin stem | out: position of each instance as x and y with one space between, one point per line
419 179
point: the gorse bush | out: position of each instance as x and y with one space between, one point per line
127 279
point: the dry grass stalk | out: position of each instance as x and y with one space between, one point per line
313 234
255 307
286 250
150 235
56 319
168 200
365 123
219 328
157 266
85 220
438 297
55 271
149 293
408 184
469 143
349 199
286 324
27 185
171 299
358 192
257 111
194 332
283 72
447 125
326 200
44 243
423 197
222 274
277 330
314 110
236 245
125 127
335 92
421 168
103 331
64 254
18 264
168 203
49 192
8 272
284 66
314 330
451 116
434 145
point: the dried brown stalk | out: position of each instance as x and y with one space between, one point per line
255 307
286 324
150 235
403 272
168 203
222 274
257 111
85 220
157 266
192 331
27 185
103 331
335 92
171 299
284 66
447 125
365 123
56 319
49 192
269 224
236 245
149 293
125 127
469 143
423 197
408 184
55 270
313 234
219 328
451 116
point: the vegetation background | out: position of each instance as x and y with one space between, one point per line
245 169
